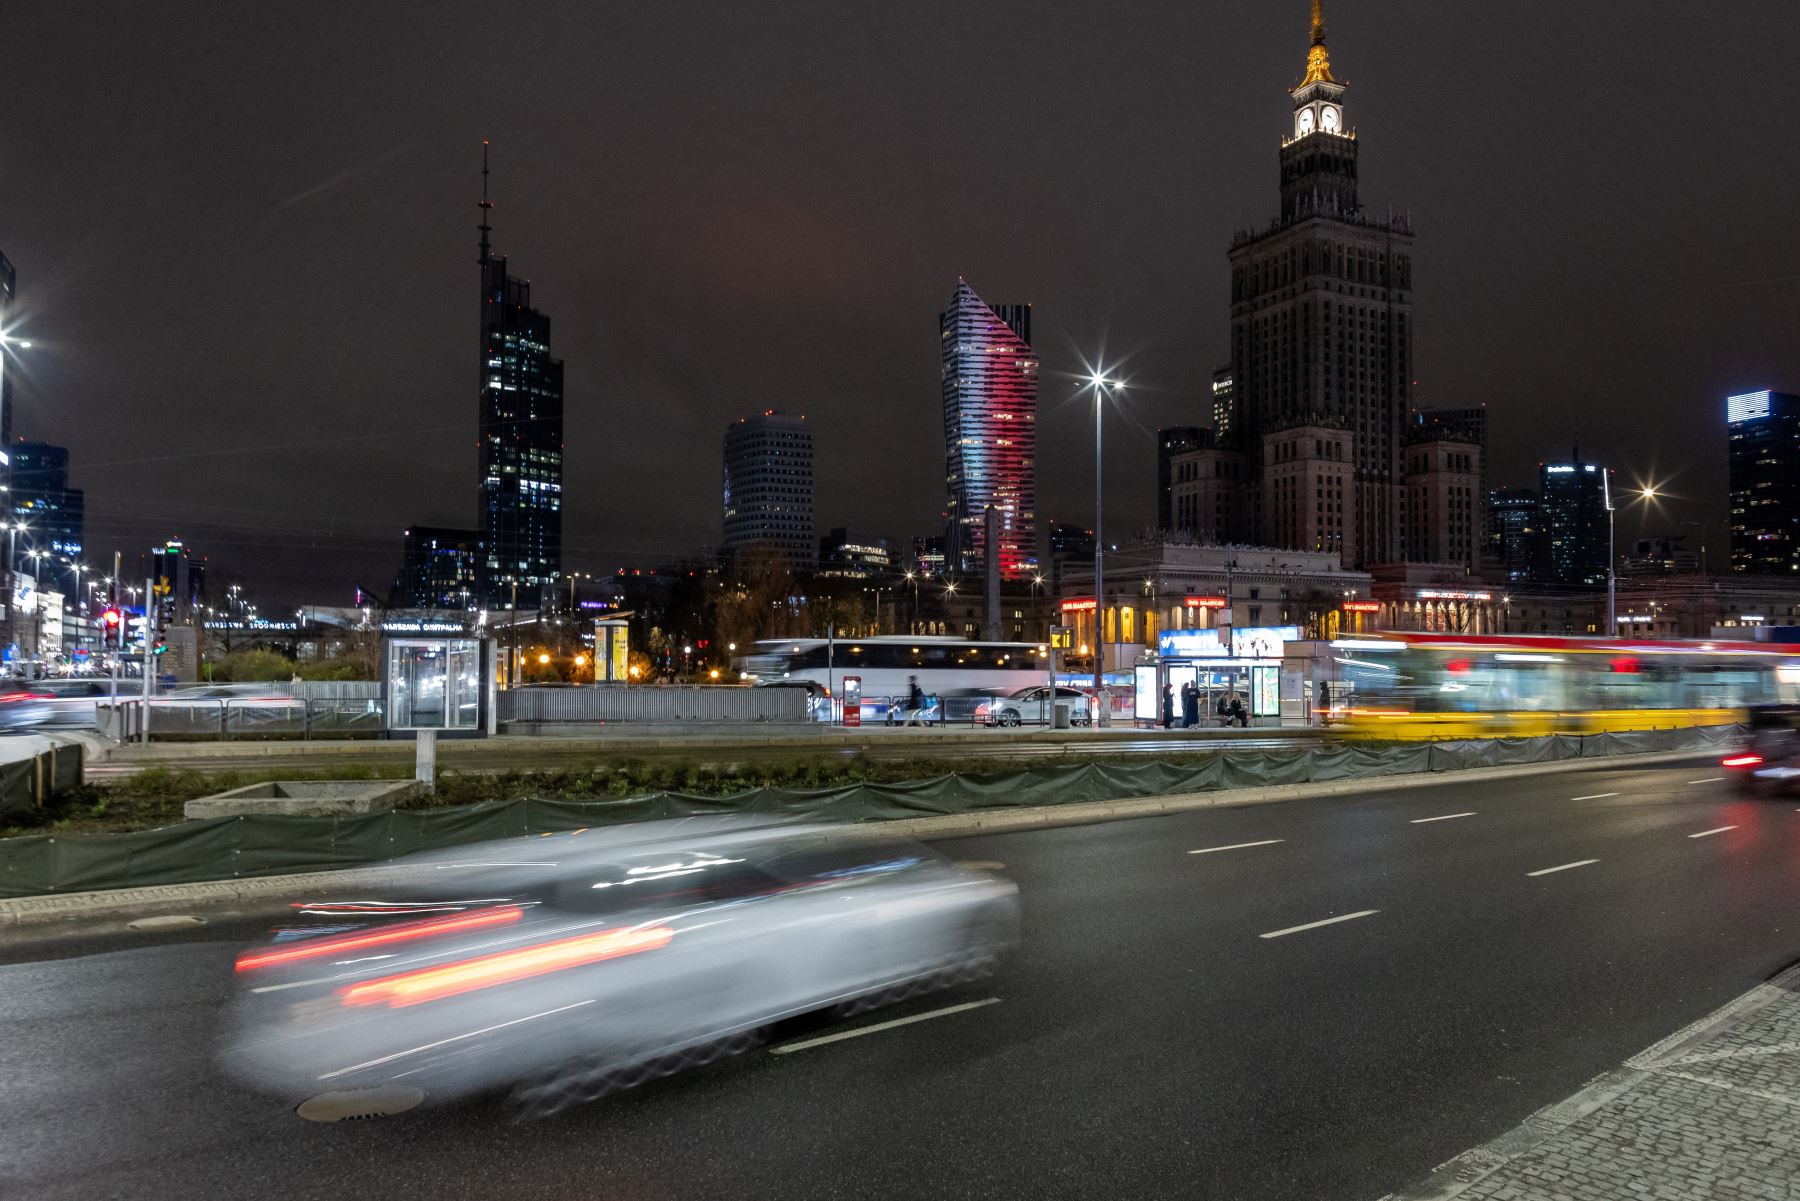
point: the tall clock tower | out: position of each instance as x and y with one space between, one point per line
1321 345
1318 163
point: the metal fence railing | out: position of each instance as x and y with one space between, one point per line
193 720
650 703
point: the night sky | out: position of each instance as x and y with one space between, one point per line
245 242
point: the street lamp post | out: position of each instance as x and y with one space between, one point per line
1100 384
1612 578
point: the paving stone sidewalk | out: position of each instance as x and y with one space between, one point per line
1712 1112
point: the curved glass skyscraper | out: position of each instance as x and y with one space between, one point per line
990 379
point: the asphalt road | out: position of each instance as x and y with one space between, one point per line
1159 1035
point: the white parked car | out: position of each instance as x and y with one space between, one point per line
596 959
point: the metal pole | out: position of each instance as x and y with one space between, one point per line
1099 563
149 637
1612 599
119 650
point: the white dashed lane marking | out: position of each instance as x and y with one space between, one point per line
809 1043
1330 921
1708 780
1238 846
1719 830
1545 871
1598 796
1418 821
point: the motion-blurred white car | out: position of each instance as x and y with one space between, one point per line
571 965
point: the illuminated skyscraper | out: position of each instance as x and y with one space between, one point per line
990 433
521 434
1764 433
1572 509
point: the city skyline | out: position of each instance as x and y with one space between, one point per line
1540 303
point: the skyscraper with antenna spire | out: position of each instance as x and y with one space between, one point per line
520 430
1321 345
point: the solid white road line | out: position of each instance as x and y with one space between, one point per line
1419 821
1565 867
1238 846
1704 833
1330 921
1708 780
1598 796
809 1043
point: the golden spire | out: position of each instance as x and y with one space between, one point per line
1318 62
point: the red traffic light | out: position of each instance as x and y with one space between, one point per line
110 617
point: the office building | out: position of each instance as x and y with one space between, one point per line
1070 545
1660 556
990 377
440 569
1764 465
1322 338
1174 440
1574 498
768 490
1456 425
928 555
1514 544
52 512
520 433
856 554
177 581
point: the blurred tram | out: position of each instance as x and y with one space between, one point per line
1424 686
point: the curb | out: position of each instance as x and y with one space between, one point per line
1454 1177
274 892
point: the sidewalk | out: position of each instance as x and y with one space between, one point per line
1713 1111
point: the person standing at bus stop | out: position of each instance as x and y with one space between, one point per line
1190 705
1168 707
915 702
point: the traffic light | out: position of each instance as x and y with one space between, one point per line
111 622
162 645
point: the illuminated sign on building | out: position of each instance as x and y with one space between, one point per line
1452 594
1190 644
1362 606
1078 606
1747 406
421 625
1204 602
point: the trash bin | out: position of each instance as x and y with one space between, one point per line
1061 720
1103 703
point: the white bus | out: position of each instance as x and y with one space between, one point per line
959 674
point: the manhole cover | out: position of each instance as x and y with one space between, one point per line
357 1103
981 865
169 921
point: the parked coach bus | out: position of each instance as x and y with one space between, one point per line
1474 686
961 675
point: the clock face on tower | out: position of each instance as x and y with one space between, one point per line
1328 119
1305 122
